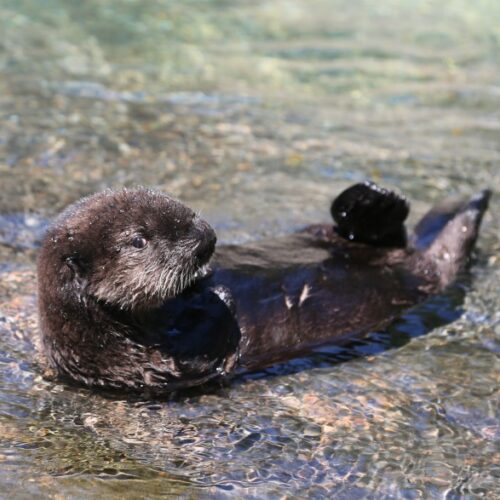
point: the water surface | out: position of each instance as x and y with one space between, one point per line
256 114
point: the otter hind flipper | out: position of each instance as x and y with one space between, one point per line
367 213
448 232
433 222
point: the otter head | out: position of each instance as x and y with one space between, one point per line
132 248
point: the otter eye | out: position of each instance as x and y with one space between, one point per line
139 242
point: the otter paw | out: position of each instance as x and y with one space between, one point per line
367 213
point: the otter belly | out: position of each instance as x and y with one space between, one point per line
299 291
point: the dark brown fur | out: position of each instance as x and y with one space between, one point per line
95 288
117 316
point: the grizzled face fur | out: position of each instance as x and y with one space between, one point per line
131 248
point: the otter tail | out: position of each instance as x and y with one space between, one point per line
447 233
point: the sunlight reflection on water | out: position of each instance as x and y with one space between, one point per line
256 114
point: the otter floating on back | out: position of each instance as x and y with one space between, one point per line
126 300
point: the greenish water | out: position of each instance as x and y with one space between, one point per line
256 114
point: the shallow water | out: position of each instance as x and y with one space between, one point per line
256 114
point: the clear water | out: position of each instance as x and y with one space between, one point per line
256 113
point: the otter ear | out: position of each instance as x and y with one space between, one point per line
77 268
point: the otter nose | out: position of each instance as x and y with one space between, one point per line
207 239
206 248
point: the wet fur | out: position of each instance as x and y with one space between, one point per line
115 316
95 289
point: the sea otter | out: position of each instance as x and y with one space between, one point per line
126 300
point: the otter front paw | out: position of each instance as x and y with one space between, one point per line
369 214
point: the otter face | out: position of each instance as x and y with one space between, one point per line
132 248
